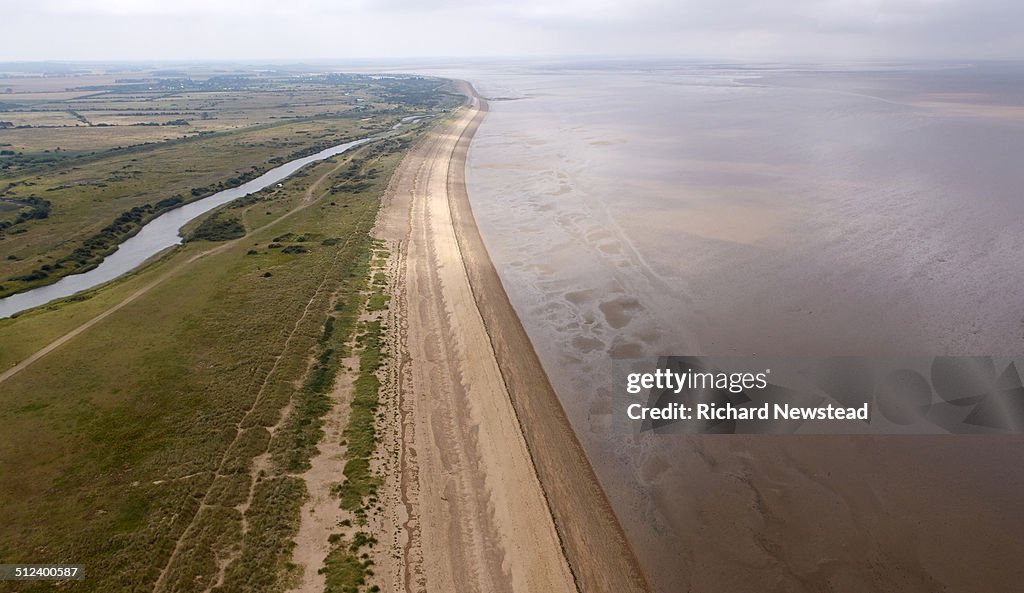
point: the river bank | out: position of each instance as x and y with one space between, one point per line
158 235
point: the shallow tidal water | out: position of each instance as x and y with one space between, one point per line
665 209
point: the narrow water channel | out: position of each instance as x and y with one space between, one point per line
157 235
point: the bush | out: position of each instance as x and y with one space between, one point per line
215 228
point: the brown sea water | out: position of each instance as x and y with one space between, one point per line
660 209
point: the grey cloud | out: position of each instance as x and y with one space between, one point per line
370 28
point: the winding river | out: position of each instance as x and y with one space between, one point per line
159 234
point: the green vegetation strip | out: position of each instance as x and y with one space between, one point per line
262 562
361 432
347 568
146 434
295 443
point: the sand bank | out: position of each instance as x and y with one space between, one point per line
496 494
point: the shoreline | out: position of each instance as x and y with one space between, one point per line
592 538
470 505
495 491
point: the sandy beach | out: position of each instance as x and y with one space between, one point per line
495 493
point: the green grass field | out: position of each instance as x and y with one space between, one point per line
72 189
163 444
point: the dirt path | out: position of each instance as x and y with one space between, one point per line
322 514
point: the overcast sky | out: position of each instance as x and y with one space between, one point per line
340 29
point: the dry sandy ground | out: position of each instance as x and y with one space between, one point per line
481 522
492 491
322 515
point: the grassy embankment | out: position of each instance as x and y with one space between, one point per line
165 442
